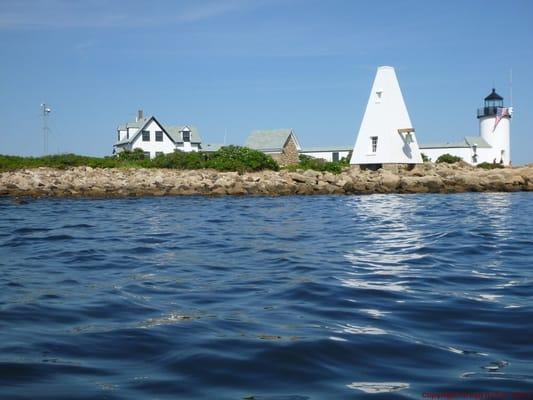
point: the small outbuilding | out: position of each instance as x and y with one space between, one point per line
281 144
328 153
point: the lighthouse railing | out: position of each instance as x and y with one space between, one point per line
486 111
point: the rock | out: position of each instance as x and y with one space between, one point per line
389 180
300 178
87 181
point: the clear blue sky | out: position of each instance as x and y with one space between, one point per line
241 65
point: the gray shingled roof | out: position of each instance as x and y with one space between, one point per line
478 141
175 133
468 142
134 124
269 140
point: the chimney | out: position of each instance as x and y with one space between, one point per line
140 115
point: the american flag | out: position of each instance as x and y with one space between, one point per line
500 113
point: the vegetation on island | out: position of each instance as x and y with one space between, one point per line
319 164
486 165
448 158
229 158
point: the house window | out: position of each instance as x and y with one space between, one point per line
158 136
146 154
146 136
158 153
374 140
335 156
118 136
186 136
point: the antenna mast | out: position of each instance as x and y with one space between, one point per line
46 110
511 86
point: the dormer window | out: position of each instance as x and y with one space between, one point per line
186 135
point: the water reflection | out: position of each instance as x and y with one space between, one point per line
494 210
390 244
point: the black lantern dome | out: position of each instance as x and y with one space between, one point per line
494 99
492 102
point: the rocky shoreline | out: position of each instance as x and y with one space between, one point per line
425 178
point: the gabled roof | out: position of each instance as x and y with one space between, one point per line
143 124
176 135
135 124
270 140
173 132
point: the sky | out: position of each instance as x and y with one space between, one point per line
232 66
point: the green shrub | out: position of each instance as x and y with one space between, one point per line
449 159
60 161
486 165
425 158
180 160
319 164
241 159
135 155
230 158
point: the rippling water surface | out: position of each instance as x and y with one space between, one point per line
290 298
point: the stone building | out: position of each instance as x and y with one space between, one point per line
281 144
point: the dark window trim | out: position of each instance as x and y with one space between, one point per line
374 143
144 137
158 136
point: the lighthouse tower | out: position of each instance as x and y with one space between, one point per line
494 127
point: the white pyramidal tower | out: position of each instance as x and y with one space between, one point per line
386 135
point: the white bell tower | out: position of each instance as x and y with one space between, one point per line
386 135
495 127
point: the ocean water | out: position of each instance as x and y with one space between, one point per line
289 298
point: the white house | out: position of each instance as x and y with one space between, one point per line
328 153
154 139
386 135
493 142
